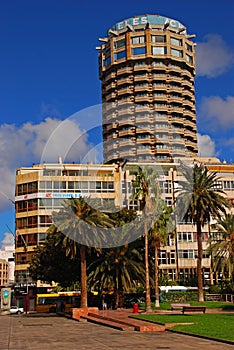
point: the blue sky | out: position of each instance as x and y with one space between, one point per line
49 72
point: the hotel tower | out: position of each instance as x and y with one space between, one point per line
147 69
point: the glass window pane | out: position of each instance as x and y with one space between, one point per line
157 50
139 50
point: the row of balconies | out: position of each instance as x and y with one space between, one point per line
146 80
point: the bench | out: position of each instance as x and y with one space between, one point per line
178 306
194 309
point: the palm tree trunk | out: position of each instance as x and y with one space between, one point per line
199 262
83 277
157 304
147 280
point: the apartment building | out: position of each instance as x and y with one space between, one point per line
147 70
4 272
42 188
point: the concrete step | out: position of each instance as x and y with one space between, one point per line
126 323
107 322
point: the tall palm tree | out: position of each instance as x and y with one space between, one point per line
203 200
146 192
222 250
83 226
159 235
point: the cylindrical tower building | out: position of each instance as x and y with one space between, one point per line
147 69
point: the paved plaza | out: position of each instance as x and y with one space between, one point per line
34 332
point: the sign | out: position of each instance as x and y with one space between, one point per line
151 19
5 298
48 195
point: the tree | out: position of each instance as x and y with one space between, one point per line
146 191
203 200
83 226
117 269
50 263
222 250
159 235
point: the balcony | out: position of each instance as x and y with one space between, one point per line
142 77
141 67
110 96
188 92
125 80
111 86
130 131
124 142
109 76
125 91
124 70
188 103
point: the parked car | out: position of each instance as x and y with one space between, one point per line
16 310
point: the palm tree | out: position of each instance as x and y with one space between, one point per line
159 235
203 200
83 226
222 250
117 269
146 192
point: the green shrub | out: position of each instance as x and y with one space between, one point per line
215 289
178 297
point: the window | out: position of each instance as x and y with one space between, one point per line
45 220
186 254
228 185
31 187
168 202
159 50
139 51
59 186
189 59
107 61
163 257
119 55
176 42
51 172
176 53
161 125
165 186
171 257
45 186
119 43
161 146
138 40
84 185
189 47
158 38
185 237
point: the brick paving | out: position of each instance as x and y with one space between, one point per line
51 332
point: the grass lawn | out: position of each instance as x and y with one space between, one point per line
208 304
218 326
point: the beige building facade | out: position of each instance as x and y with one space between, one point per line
4 273
42 188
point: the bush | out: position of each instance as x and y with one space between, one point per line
215 289
179 297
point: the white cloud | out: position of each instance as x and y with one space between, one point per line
219 111
33 143
8 240
206 146
213 56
